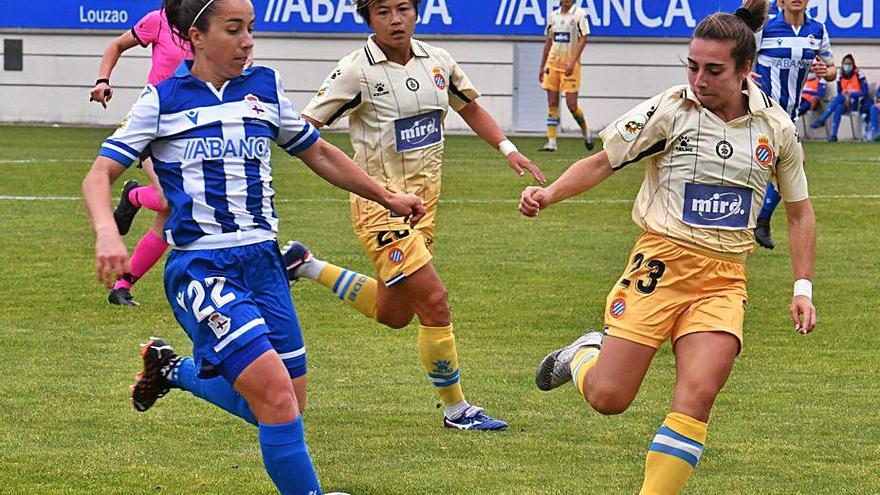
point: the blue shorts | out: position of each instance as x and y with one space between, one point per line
226 298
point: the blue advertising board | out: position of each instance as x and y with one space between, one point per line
655 18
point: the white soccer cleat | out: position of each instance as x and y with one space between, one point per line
549 146
555 369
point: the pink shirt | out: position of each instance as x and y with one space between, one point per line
168 50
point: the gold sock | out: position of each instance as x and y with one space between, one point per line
357 290
579 118
583 360
552 123
673 455
440 359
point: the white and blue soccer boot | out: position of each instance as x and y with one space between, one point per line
474 418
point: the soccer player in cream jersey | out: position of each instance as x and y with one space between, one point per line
396 92
567 31
709 148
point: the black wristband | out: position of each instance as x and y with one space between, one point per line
102 80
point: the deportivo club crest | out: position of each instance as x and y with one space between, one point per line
254 103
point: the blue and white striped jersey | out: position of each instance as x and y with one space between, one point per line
211 151
785 54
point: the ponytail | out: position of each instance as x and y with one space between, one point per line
738 27
185 14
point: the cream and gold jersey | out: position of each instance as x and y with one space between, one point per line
565 30
396 121
705 178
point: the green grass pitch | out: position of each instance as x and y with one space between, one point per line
800 415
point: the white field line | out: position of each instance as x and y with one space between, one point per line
52 160
88 161
451 201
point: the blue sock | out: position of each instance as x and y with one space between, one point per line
217 390
771 200
835 119
875 121
286 458
838 100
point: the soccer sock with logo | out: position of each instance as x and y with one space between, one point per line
148 252
579 118
673 455
771 200
146 196
357 290
440 359
552 123
287 459
216 390
583 360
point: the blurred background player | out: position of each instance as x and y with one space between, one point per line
396 92
167 52
567 32
208 130
687 278
852 96
790 45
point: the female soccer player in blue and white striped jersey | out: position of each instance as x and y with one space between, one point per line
790 45
208 131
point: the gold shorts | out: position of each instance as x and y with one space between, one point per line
669 290
556 80
397 254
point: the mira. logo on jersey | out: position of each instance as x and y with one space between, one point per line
717 206
214 148
562 37
419 131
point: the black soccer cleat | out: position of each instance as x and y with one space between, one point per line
152 381
762 234
121 297
588 141
125 210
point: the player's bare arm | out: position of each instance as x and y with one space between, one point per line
576 56
312 121
583 175
102 92
478 119
334 166
111 255
548 43
802 236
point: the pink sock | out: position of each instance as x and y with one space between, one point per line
146 196
147 253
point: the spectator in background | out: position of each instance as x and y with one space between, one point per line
851 88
